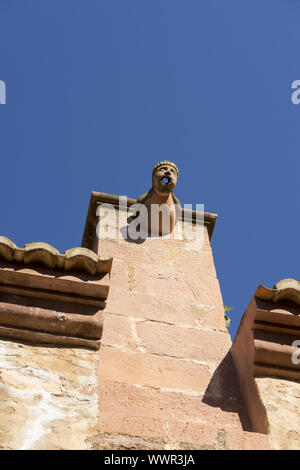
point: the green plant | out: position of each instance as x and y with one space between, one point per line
227 318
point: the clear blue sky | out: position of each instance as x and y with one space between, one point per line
100 90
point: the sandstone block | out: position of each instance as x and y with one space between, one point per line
169 340
195 433
152 371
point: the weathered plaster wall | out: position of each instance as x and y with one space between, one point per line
48 397
166 378
281 399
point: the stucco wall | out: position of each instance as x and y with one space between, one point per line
281 399
48 397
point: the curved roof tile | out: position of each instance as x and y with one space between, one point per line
75 259
286 289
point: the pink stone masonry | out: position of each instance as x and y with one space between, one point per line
166 377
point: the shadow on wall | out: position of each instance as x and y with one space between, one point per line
224 392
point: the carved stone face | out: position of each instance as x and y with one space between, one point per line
164 179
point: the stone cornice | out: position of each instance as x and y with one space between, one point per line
47 297
263 343
89 235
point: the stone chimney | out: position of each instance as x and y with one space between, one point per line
166 377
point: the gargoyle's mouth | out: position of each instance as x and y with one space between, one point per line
166 180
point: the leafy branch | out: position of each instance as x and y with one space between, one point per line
227 318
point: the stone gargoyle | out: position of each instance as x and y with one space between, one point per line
161 197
